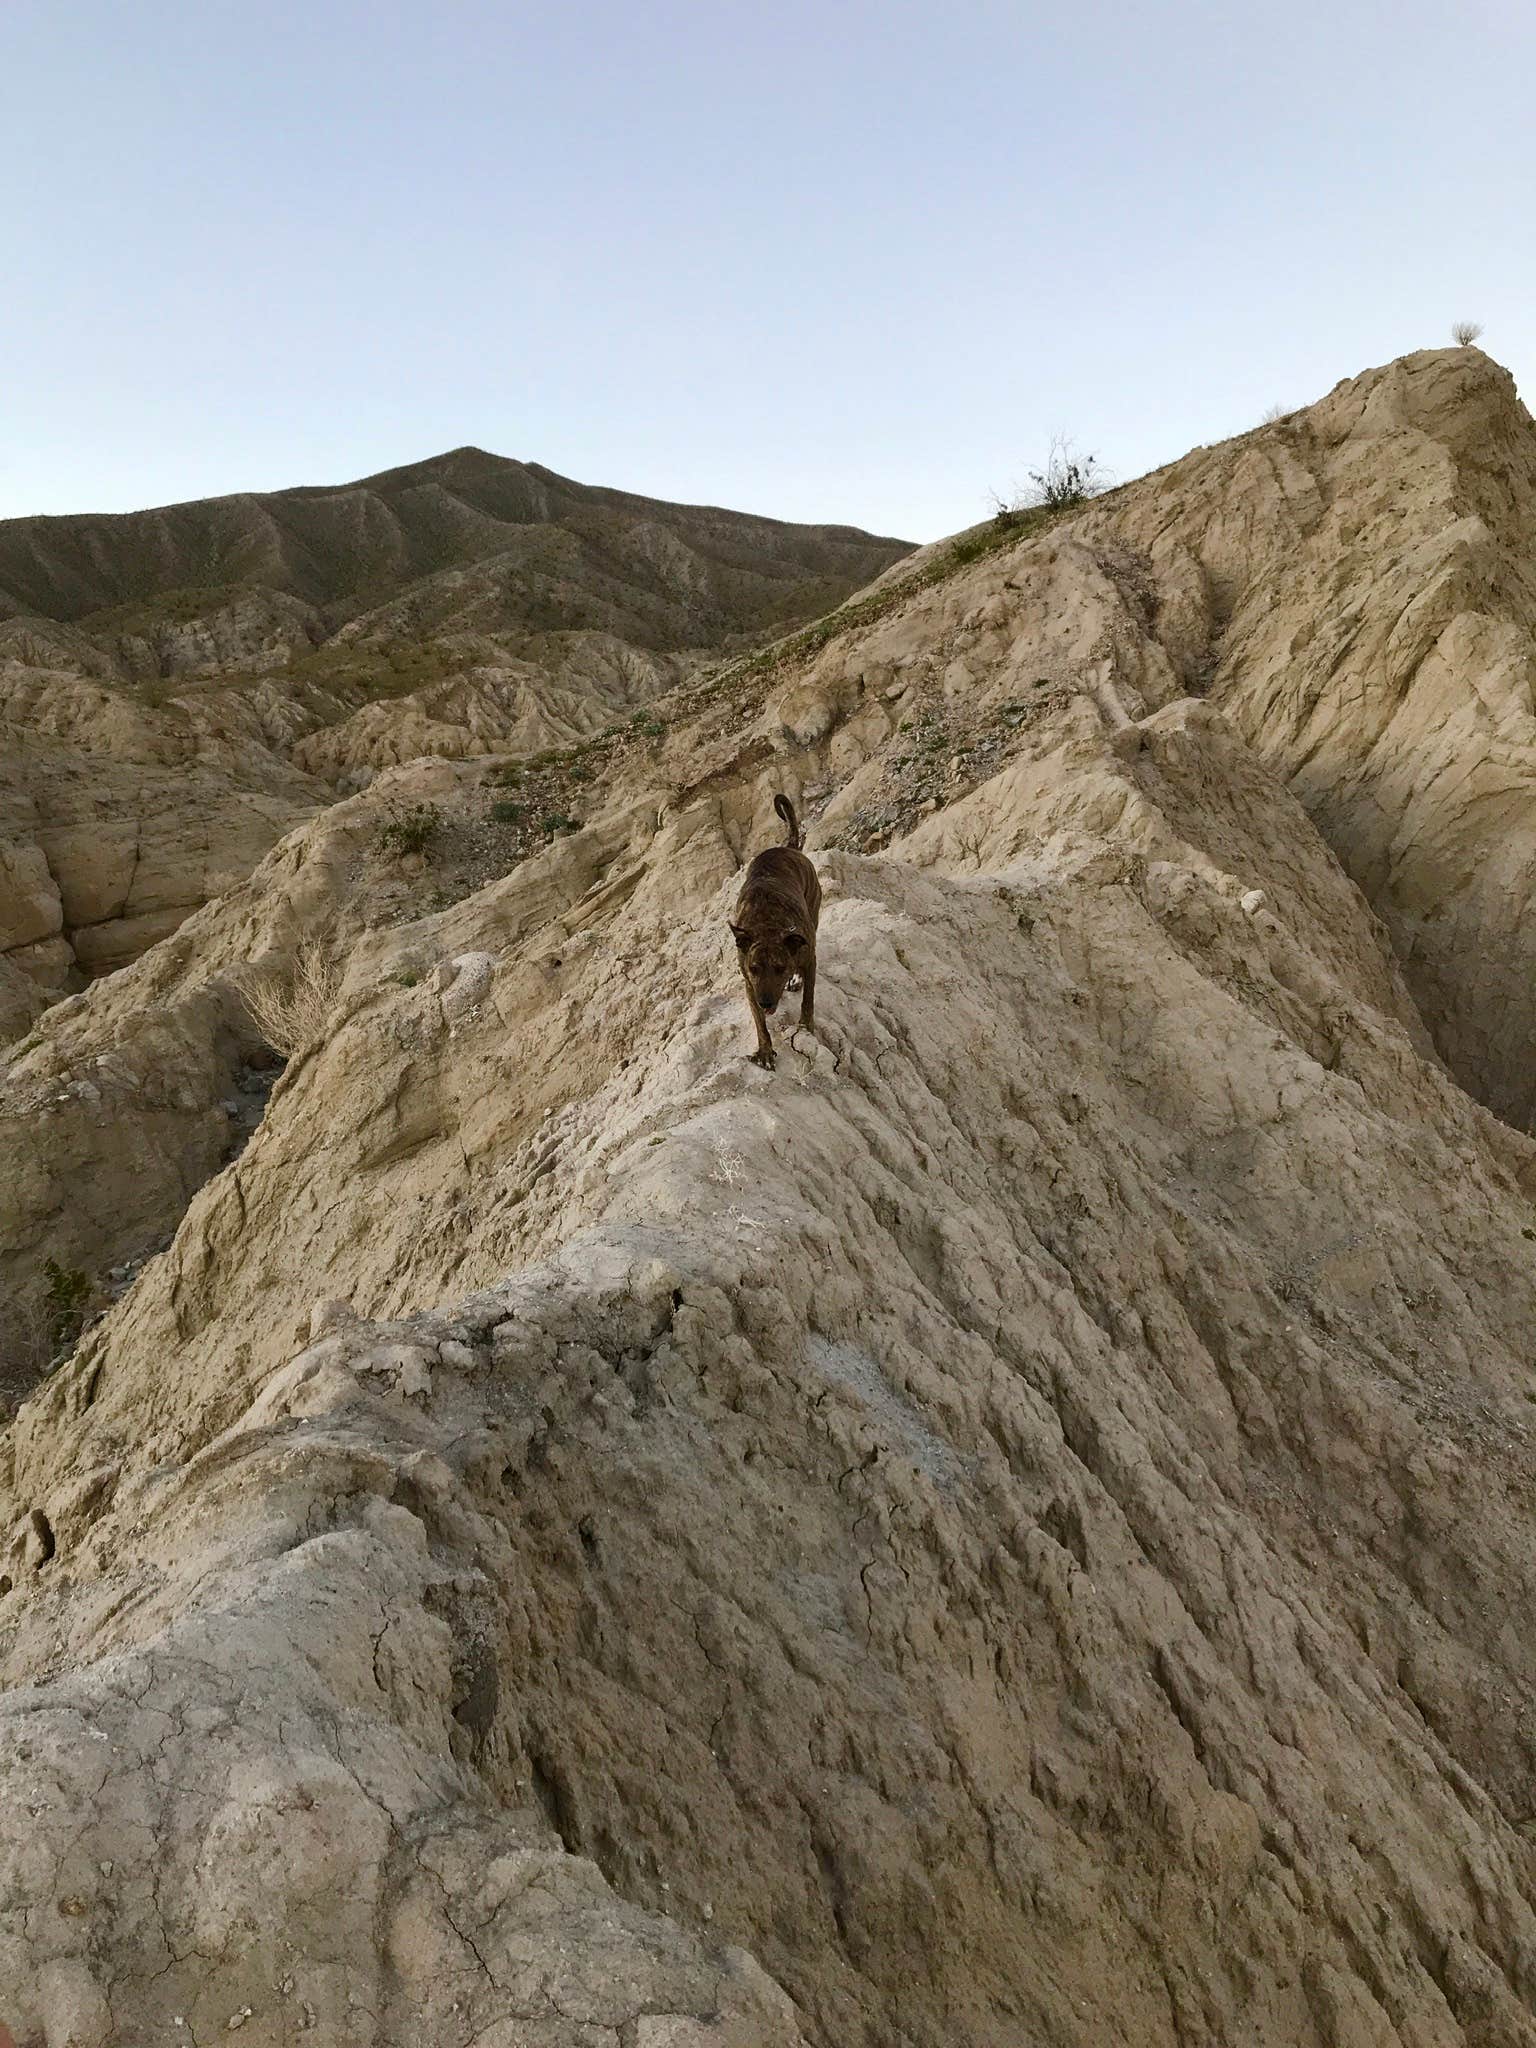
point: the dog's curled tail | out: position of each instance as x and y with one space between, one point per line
786 811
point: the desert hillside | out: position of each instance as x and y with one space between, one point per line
1013 1528
180 687
527 548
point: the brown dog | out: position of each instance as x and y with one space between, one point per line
775 930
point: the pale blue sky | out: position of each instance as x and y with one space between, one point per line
820 258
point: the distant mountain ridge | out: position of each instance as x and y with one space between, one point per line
180 686
590 557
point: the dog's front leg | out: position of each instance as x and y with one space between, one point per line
764 1056
808 998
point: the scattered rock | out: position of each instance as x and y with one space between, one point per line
329 1315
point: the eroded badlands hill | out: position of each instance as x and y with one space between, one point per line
179 687
1010 1529
672 575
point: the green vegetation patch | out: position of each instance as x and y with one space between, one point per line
168 608
67 1296
411 831
392 668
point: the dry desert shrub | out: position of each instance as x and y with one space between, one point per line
40 1326
26 1349
1067 480
290 1008
1465 332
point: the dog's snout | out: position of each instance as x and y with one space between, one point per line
770 1003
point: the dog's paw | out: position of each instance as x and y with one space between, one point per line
764 1059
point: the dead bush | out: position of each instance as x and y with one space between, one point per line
291 1007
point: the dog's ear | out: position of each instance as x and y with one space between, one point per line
795 941
742 938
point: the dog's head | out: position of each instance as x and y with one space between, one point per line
770 960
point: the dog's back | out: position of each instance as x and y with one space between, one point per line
785 878
781 879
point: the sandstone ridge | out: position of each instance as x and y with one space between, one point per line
1008 1529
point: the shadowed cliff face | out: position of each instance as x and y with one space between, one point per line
1004 1530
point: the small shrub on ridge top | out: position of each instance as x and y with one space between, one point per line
1067 478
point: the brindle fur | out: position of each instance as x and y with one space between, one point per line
775 930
